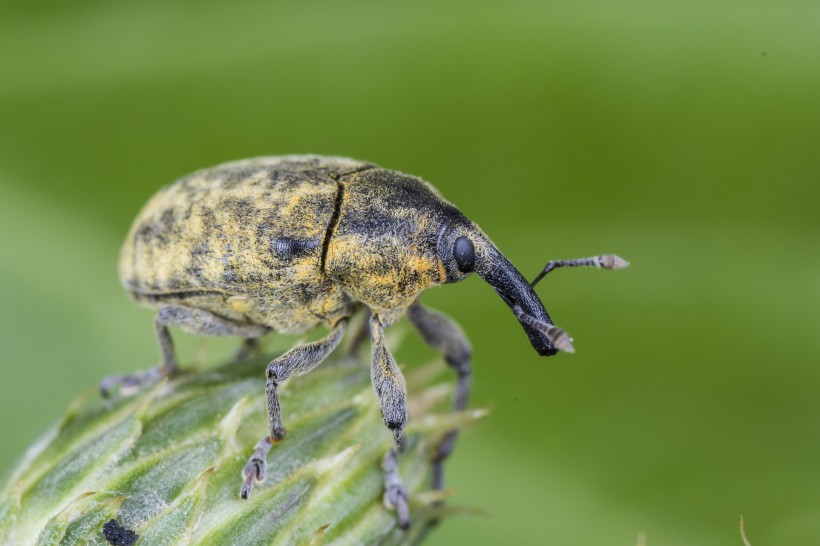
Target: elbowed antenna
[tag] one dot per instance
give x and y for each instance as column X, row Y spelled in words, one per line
column 492, row 266
column 559, row 338
column 605, row 261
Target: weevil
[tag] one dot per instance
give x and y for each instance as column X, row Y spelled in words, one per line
column 289, row 243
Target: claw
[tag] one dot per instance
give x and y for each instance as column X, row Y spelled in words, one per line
column 396, row 499
column 108, row 384
column 247, row 485
column 254, row 471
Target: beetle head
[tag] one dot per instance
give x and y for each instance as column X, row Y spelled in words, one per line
column 463, row 248
column 396, row 236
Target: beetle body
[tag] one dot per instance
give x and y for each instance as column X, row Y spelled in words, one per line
column 244, row 240
column 289, row 243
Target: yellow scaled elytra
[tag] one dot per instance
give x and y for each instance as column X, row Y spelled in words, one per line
column 288, row 243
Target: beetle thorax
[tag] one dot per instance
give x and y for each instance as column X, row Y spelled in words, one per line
column 385, row 273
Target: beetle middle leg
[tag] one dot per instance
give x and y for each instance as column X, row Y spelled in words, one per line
column 360, row 335
column 195, row 321
column 391, row 390
column 298, row 361
column 443, row 334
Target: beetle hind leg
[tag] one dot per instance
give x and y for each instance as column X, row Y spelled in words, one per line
column 298, row 361
column 195, row 321
column 443, row 334
column 250, row 348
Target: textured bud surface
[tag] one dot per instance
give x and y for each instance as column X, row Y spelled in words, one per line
column 166, row 463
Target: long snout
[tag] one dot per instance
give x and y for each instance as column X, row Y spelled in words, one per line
column 501, row 274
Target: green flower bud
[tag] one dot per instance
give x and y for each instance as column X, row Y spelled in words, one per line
column 166, row 464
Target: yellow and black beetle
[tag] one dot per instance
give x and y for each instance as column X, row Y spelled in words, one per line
column 288, row 243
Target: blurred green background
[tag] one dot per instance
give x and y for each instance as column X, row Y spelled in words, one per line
column 683, row 135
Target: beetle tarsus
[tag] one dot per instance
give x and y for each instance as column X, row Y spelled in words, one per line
column 132, row 383
column 395, row 494
column 254, row 471
column 442, row 452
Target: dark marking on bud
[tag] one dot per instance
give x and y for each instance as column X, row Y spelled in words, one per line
column 118, row 535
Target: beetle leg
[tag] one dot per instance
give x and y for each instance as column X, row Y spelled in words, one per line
column 168, row 364
column 195, row 321
column 360, row 335
column 606, row 261
column 250, row 348
column 443, row 334
column 298, row 361
column 395, row 494
column 388, row 382
column 391, row 390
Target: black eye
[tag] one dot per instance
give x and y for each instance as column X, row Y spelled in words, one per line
column 464, row 254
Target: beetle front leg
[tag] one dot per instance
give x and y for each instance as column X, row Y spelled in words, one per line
column 443, row 334
column 391, row 390
column 298, row 361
